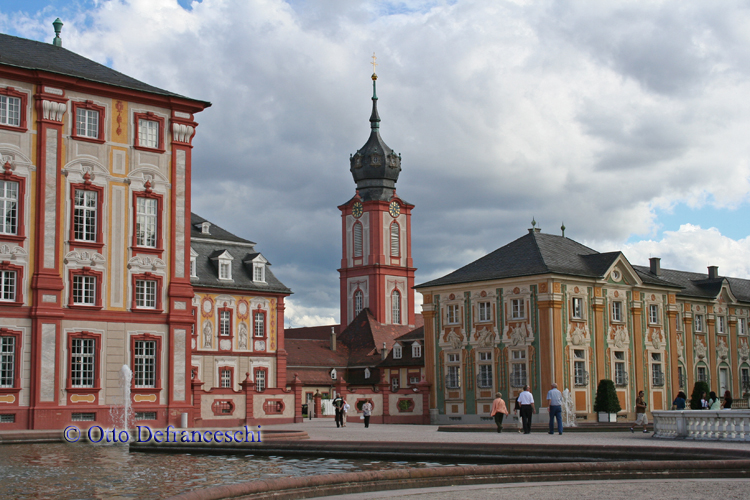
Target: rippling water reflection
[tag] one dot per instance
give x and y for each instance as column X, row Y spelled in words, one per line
column 80, row 471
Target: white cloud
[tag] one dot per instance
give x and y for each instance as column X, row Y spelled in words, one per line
column 592, row 113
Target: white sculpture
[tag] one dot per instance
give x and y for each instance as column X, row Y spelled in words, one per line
column 568, row 410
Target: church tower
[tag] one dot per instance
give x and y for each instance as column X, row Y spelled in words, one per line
column 376, row 265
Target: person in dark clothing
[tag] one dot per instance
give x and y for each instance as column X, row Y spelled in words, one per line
column 679, row 401
column 338, row 405
column 727, row 400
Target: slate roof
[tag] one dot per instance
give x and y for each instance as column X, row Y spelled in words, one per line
column 698, row 285
column 33, row 55
column 406, row 341
column 210, row 246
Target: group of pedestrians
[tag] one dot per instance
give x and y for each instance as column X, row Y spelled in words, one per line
column 342, row 408
column 525, row 408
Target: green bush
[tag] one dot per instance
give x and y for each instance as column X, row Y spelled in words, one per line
column 606, row 397
column 695, row 398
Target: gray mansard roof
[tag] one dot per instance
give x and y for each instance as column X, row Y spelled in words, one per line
column 40, row 56
column 210, row 246
column 539, row 253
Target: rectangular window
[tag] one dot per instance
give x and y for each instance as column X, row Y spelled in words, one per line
column 517, row 309
column 397, row 351
column 453, row 379
column 84, row 290
column 145, row 363
column 617, row 311
column 226, row 378
column 413, row 380
column 260, row 380
column 87, row 123
column 453, row 358
column 82, row 362
column 485, row 356
column 8, row 207
column 145, row 294
column 193, row 268
column 621, row 376
column 260, row 324
column 657, row 375
column 484, row 378
column 146, row 222
column 577, row 312
column 148, row 134
column 680, row 377
column 225, row 271
column 452, row 311
column 720, row 324
column 653, row 314
column 7, row 418
column 259, row 273
column 745, row 374
column 10, row 111
column 357, row 239
column 485, row 311
column 8, row 286
column 581, row 376
column 84, row 220
column 225, row 323
column 145, row 415
column 416, row 351
column 517, row 375
column 741, row 326
column 7, row 361
column 698, row 322
column 702, row 374
column 394, row 384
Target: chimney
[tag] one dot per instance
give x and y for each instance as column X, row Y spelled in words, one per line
column 333, row 339
column 713, row 272
column 655, row 265
column 383, row 352
column 57, row 41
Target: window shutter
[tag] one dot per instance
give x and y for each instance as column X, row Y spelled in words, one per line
column 395, row 240
column 358, row 240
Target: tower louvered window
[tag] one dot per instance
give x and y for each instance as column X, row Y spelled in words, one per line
column 358, row 240
column 395, row 240
column 359, row 301
column 396, row 307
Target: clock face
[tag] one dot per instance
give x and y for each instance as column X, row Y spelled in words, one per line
column 394, row 209
column 357, row 210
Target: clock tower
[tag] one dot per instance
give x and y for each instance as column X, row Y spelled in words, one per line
column 376, row 265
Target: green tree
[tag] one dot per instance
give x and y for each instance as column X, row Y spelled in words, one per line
column 695, row 398
column 606, row 397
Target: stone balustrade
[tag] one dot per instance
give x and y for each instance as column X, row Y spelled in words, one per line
column 712, row 425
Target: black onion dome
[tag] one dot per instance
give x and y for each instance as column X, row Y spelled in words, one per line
column 375, row 167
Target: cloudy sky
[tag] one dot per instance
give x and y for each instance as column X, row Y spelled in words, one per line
column 629, row 121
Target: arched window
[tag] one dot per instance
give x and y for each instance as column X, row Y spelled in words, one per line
column 396, row 307
column 359, row 302
column 395, row 240
column 357, row 239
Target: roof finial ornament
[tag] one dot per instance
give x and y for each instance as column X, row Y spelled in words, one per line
column 57, row 41
column 562, row 228
column 374, row 75
column 533, row 222
column 374, row 118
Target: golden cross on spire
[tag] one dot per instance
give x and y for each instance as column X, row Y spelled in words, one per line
column 373, row 63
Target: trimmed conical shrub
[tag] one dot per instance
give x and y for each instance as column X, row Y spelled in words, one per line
column 606, row 397
column 695, row 398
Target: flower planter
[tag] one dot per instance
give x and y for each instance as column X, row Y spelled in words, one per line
column 607, row 417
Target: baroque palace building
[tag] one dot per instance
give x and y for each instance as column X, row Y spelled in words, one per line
column 546, row 309
column 96, row 265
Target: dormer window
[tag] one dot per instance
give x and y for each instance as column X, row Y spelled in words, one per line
column 416, row 350
column 259, row 273
column 367, row 373
column 397, row 351
column 205, row 227
column 223, row 263
column 333, row 374
column 193, row 263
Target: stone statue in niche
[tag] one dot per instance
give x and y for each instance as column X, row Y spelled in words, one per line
column 722, row 350
column 486, row 338
column 242, row 337
column 700, row 349
column 621, row 337
column 518, row 335
column 208, row 335
column 578, row 335
column 744, row 351
column 680, row 348
column 454, row 340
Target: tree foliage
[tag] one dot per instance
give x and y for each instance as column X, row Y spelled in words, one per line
column 606, row 397
column 695, row 398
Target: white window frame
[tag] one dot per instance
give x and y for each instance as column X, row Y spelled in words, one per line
column 146, row 222
column 9, row 191
column 453, row 377
column 145, row 293
column 620, row 369
column 8, row 286
column 193, row 267
column 484, row 310
column 359, row 301
column 260, row 380
column 416, row 350
column 259, row 272
column 720, row 324
column 225, row 269
column 617, row 311
column 741, row 326
column 144, row 357
column 84, row 290
column 148, row 133
column 225, row 323
column 225, row 378
column 657, row 371
column 259, row 325
column 701, row 374
column 86, row 207
column 397, row 351
column 576, row 308
column 10, row 111
column 82, row 362
column 87, row 123
column 484, row 376
column 8, row 349
column 396, row 307
column 452, row 316
column 653, row 314
column 518, row 309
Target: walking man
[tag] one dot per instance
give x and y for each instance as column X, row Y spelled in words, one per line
column 338, row 405
column 640, row 412
column 366, row 412
column 554, row 407
column 344, row 413
column 499, row 411
column 526, row 400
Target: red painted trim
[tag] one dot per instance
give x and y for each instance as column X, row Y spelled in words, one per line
column 157, row 367
column 223, row 407
column 97, row 338
column 6, row 332
column 160, row 147
column 87, row 186
column 219, row 335
column 148, row 277
column 20, row 207
column 274, row 406
column 23, row 125
column 85, row 271
column 7, row 266
column 265, row 325
column 354, row 253
column 75, row 106
column 159, row 250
